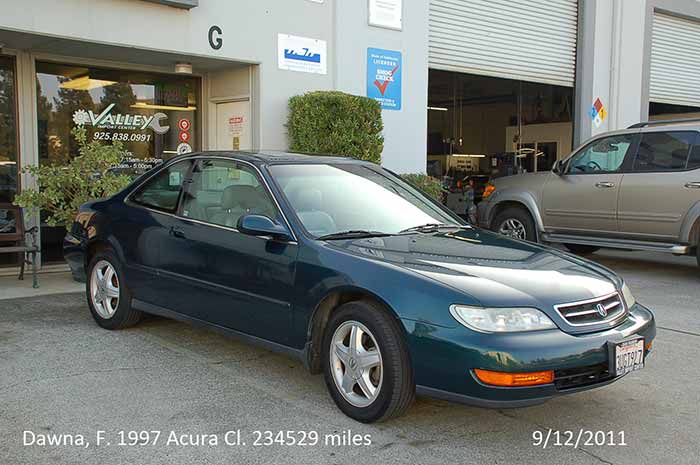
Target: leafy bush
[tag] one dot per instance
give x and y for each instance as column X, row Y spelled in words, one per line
column 335, row 123
column 428, row 184
column 63, row 188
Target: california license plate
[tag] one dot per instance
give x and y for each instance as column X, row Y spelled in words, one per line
column 628, row 356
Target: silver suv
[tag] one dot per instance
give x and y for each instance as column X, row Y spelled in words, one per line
column 636, row 189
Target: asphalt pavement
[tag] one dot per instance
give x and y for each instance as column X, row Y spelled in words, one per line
column 60, row 374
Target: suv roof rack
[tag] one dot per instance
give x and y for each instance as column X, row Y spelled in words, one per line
column 644, row 124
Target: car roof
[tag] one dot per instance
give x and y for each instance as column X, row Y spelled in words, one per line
column 271, row 157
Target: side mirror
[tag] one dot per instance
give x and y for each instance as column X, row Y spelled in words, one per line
column 259, row 225
column 559, row 167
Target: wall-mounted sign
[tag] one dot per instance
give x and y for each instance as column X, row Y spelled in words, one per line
column 386, row 13
column 183, row 148
column 184, row 124
column 301, row 54
column 598, row 113
column 384, row 77
column 106, row 120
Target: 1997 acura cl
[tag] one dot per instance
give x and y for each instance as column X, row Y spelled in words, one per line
column 344, row 265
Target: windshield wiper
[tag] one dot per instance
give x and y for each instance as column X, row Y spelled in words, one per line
column 428, row 227
column 352, row 234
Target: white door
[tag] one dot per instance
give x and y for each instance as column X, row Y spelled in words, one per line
column 233, row 130
column 533, row 40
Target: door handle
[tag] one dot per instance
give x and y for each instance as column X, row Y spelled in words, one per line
column 605, row 185
column 177, row 232
column 692, row 185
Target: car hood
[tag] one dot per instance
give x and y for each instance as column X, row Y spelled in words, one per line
column 490, row 268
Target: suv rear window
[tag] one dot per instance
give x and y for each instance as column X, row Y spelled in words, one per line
column 664, row 151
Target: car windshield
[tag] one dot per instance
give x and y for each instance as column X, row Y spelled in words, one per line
column 337, row 199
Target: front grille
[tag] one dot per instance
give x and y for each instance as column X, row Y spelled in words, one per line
column 593, row 311
column 580, row 377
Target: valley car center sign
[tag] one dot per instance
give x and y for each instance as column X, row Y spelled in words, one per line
column 384, row 77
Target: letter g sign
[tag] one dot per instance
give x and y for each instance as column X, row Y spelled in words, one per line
column 215, row 40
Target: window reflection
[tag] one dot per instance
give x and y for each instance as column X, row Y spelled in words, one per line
column 155, row 117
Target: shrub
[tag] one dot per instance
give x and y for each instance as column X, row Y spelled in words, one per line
column 335, row 123
column 428, row 184
column 63, row 188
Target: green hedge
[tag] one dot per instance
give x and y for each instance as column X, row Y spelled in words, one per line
column 335, row 123
column 428, row 184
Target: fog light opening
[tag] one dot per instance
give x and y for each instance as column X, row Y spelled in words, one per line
column 497, row 378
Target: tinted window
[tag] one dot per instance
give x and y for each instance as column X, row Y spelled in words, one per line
column 602, row 156
column 663, row 151
column 222, row 191
column 163, row 190
column 694, row 159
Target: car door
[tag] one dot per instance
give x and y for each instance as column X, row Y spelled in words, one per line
column 583, row 198
column 144, row 229
column 238, row 281
column 661, row 185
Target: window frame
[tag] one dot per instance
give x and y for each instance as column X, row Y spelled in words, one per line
column 187, row 184
column 630, row 156
column 188, row 178
column 144, row 184
column 631, row 166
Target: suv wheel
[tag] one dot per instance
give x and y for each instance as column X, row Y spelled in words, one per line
column 515, row 222
column 108, row 296
column 366, row 363
column 581, row 249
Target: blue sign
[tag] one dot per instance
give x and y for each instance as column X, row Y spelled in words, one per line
column 384, row 77
column 303, row 55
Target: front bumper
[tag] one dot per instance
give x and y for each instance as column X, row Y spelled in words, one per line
column 74, row 254
column 444, row 358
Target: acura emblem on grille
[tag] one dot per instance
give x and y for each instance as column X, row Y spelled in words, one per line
column 601, row 310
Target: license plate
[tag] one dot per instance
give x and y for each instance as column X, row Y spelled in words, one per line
column 628, row 356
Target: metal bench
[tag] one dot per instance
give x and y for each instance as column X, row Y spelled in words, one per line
column 13, row 238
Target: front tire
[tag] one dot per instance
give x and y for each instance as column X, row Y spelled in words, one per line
column 516, row 223
column 366, row 364
column 108, row 296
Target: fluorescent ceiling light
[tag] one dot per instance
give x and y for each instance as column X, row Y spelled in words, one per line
column 85, row 83
column 437, row 108
column 468, row 155
column 149, row 106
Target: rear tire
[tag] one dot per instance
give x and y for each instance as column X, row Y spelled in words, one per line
column 371, row 380
column 516, row 223
column 108, row 296
column 581, row 249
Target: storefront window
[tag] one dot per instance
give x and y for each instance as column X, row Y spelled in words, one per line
column 155, row 116
column 8, row 151
column 8, row 131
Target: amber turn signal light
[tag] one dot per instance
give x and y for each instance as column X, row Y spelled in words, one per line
column 497, row 378
column 647, row 346
column 488, row 190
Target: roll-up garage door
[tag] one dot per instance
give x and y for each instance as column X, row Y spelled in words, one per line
column 675, row 61
column 530, row 40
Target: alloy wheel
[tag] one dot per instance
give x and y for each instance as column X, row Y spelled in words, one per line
column 513, row 228
column 104, row 289
column 356, row 363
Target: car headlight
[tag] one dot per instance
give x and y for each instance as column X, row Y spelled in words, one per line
column 501, row 320
column 627, row 296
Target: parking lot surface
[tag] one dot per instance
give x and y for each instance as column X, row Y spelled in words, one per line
column 61, row 374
